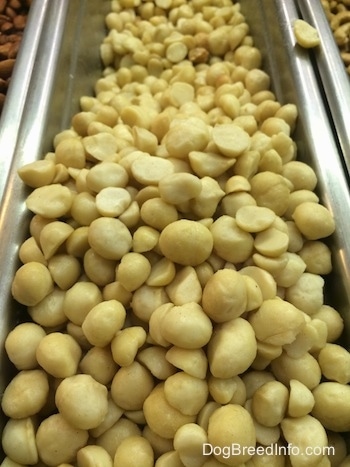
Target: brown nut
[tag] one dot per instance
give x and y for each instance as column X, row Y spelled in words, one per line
column 6, row 68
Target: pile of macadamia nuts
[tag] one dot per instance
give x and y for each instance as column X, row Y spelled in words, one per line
column 338, row 15
column 175, row 267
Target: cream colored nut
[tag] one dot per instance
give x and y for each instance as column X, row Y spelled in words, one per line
column 26, row 394
column 91, row 455
column 184, row 136
column 204, row 272
column 271, row 242
column 149, row 170
column 289, row 113
column 333, row 320
column 106, row 174
column 103, row 321
column 291, row 272
column 21, row 344
column 230, row 139
column 332, row 406
column 317, row 257
column 209, row 164
column 178, row 323
column 38, row 173
column 49, row 311
column 254, row 218
column 180, row 93
column 120, row 429
column 162, row 273
column 77, row 244
column 304, row 369
column 115, row 291
column 81, row 121
column 58, row 441
column 263, row 278
column 114, row 415
column 270, row 161
column 265, row 436
column 256, row 80
column 254, row 293
column 179, row 389
column 31, row 284
column 154, row 359
column 136, row 115
column 234, row 418
column 207, row 202
column 309, row 435
column 189, row 441
column 133, row 270
column 269, row 264
column 99, row 270
column 71, row 153
column 131, row 385
column 30, row 251
column 126, row 343
column 305, row 34
column 74, row 394
column 269, row 403
column 18, row 441
column 80, row 299
column 109, row 237
column 297, row 197
column 98, row 363
column 65, row 270
column 158, row 214
column 185, row 287
column 145, row 238
column 310, row 339
column 301, row 400
column 179, row 187
column 313, row 220
column 51, row 201
column 58, row 354
column 334, row 361
column 247, row 164
column 186, row 242
column 161, row 417
column 229, row 340
column 222, row 390
column 134, row 451
column 300, row 174
column 146, row 299
column 145, row 140
column 75, row 331
column 296, row 241
column 192, row 361
column 237, row 183
column 112, row 201
column 307, row 293
column 231, row 243
column 100, row 146
column 170, row 458
column 225, row 296
column 274, row 125
column 52, row 236
column 230, row 105
column 155, row 323
column 271, row 190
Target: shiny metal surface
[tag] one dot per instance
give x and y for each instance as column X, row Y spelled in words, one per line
column 334, row 78
column 67, row 66
column 16, row 97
